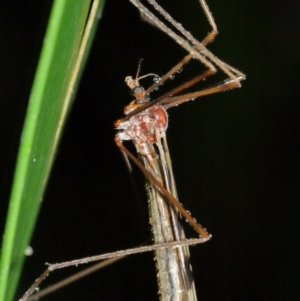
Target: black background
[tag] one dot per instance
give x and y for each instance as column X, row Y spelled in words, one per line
column 235, row 155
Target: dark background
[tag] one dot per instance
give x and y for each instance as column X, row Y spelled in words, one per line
column 235, row 155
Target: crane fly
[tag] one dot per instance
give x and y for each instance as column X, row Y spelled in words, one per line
column 147, row 129
column 145, row 124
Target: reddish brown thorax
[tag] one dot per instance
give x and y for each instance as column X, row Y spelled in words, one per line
column 145, row 127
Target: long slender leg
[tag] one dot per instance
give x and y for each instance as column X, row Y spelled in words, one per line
column 169, row 196
column 209, row 38
column 177, row 100
column 204, row 52
column 52, row 288
column 182, row 42
column 184, row 243
column 199, row 46
column 167, row 95
column 168, row 101
column 57, row 266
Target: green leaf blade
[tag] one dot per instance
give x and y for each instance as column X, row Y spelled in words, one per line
column 50, row 101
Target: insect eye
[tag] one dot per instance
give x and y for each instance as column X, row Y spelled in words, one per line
column 137, row 90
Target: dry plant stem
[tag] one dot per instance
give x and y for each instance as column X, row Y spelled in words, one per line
column 57, row 266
